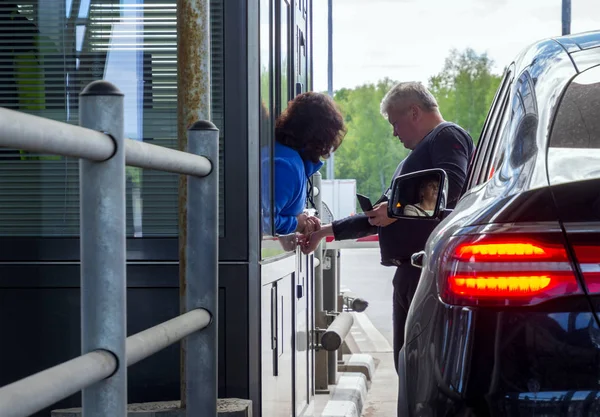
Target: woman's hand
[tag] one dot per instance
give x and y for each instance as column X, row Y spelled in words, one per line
column 313, row 224
column 307, row 224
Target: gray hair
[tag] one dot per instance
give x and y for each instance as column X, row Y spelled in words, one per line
column 407, row 94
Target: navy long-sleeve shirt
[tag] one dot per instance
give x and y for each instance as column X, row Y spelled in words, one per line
column 447, row 147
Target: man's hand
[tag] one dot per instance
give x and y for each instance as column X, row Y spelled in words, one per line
column 379, row 216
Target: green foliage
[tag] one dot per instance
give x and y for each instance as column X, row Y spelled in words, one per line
column 465, row 89
column 370, row 153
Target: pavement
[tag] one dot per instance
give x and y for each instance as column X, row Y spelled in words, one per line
column 383, row 390
column 369, row 340
column 381, row 399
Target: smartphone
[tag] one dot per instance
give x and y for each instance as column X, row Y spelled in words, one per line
column 365, row 203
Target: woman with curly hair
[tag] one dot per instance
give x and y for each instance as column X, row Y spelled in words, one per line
column 310, row 128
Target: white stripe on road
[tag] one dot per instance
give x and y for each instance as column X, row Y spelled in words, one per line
column 379, row 342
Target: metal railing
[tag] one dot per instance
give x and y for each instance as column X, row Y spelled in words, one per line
column 101, row 371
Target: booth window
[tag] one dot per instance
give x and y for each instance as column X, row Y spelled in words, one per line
column 49, row 51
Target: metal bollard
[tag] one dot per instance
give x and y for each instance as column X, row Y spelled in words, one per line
column 201, row 273
column 103, row 249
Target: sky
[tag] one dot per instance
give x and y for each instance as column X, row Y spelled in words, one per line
column 408, row 40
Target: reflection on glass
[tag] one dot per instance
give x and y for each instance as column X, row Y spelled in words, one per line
column 574, row 152
column 417, row 195
column 285, row 92
column 266, row 124
column 124, row 68
column 427, row 199
column 131, row 43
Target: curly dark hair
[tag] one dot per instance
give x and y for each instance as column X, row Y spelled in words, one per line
column 312, row 125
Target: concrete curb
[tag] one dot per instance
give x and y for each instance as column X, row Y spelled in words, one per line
column 348, row 397
column 226, row 407
column 359, row 362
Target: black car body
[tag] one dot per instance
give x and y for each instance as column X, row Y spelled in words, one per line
column 505, row 318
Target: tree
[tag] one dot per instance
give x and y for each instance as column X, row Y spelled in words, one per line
column 465, row 89
column 369, row 153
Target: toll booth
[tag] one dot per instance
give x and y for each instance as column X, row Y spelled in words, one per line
column 260, row 58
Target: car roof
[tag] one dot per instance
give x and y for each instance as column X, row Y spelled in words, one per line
column 580, row 41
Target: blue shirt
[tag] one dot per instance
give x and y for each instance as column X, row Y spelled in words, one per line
column 291, row 173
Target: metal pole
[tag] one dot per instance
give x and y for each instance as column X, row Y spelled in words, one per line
column 340, row 301
column 146, row 343
column 338, row 330
column 36, row 392
column 330, row 301
column 193, row 104
column 103, row 250
column 566, row 17
column 39, row 135
column 331, row 160
column 201, row 274
column 321, row 377
column 319, row 255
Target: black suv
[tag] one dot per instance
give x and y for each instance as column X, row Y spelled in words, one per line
column 505, row 318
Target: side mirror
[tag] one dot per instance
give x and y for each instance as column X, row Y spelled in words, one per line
column 419, row 194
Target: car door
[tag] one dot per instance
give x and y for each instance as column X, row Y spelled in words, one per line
column 573, row 162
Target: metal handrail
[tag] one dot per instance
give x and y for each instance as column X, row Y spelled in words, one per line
column 37, row 134
column 146, row 155
column 148, row 342
column 38, row 391
column 101, row 371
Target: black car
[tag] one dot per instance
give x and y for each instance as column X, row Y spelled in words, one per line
column 505, row 318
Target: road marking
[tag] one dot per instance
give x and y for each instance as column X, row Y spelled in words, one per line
column 374, row 336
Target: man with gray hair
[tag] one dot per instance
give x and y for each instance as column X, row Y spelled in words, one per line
column 434, row 143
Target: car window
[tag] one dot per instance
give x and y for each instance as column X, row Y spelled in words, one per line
column 518, row 144
column 487, row 140
column 574, row 147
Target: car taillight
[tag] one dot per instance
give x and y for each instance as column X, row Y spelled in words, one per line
column 508, row 269
column 588, row 257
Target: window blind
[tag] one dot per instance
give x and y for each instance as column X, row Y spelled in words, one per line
column 49, row 51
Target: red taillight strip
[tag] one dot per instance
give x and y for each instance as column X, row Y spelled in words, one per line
column 509, row 251
column 507, row 269
column 502, row 285
column 587, row 254
column 470, row 267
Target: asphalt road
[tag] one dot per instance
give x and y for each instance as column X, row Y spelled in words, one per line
column 362, row 273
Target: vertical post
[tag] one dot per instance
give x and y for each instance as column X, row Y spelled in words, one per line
column 330, row 301
column 103, row 251
column 331, row 160
column 321, row 381
column 193, row 104
column 201, row 273
column 340, row 299
column 319, row 254
column 566, row 17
